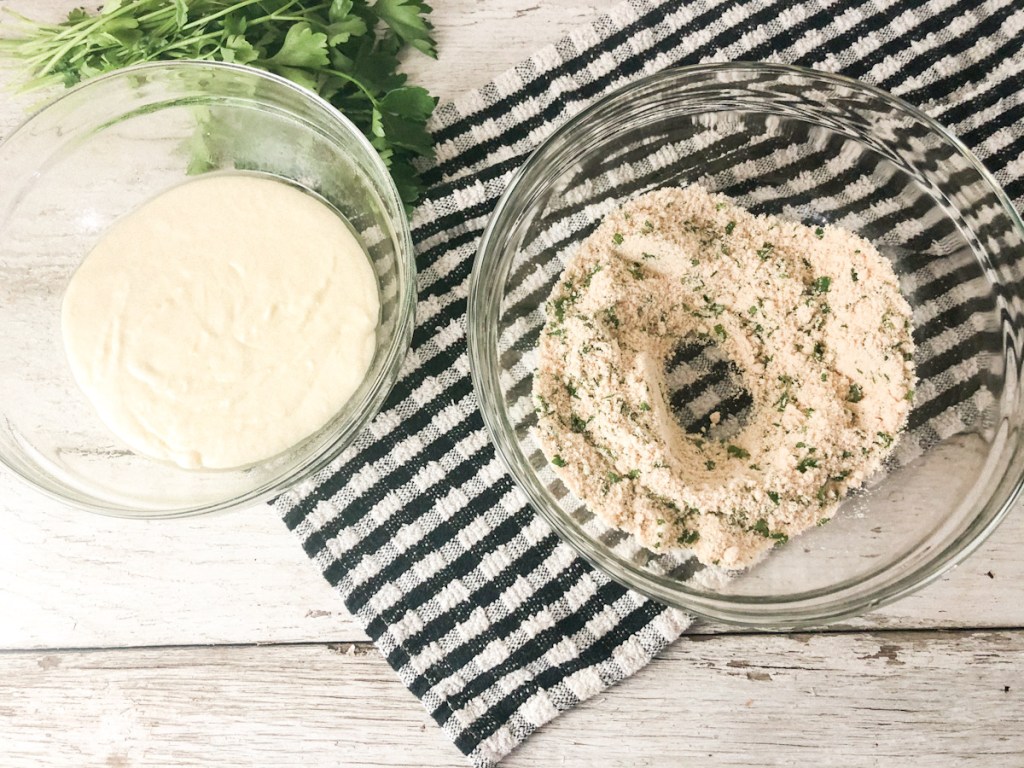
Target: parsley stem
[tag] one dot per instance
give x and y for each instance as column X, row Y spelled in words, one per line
column 187, row 42
column 219, row 33
column 81, row 32
column 313, row 34
column 356, row 83
column 205, row 19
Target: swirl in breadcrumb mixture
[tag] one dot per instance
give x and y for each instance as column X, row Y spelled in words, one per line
column 812, row 318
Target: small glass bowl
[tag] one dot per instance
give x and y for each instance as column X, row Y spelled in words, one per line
column 815, row 148
column 100, row 151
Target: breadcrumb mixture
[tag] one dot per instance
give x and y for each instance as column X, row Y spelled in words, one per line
column 813, row 320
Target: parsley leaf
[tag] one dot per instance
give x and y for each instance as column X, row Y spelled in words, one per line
column 302, row 47
column 347, row 51
column 686, row 538
column 578, row 425
column 413, row 102
column 761, row 527
column 806, row 463
column 407, row 19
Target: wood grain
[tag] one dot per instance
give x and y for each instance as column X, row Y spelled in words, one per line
column 851, row 700
column 69, row 579
column 210, row 589
column 72, row 580
column 476, row 39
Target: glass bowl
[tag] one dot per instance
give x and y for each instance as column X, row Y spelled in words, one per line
column 815, row 148
column 100, row 151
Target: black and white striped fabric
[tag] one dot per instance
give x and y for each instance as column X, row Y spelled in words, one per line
column 485, row 615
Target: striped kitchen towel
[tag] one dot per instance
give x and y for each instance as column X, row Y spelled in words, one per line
column 485, row 615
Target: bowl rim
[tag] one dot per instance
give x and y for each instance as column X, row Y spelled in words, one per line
column 753, row 612
column 319, row 456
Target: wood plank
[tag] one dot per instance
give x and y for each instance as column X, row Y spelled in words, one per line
column 72, row 579
column 68, row 579
column 858, row 699
column 476, row 39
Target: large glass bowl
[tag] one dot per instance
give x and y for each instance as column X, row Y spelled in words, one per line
column 817, row 148
column 100, row 151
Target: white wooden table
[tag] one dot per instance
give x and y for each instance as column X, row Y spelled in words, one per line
column 213, row 641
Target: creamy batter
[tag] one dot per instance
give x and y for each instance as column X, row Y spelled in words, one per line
column 222, row 322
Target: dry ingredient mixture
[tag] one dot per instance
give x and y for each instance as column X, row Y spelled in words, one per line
column 811, row 317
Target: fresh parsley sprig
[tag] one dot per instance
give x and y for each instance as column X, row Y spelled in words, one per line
column 345, row 50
